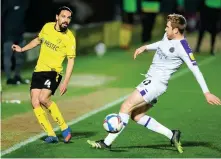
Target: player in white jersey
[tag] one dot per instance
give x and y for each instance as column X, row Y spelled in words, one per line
column 170, row 54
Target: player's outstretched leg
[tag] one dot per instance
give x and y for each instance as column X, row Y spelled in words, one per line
column 106, row 143
column 175, row 140
column 133, row 101
column 139, row 116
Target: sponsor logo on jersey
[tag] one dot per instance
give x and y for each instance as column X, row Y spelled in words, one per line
column 191, row 56
column 161, row 54
column 172, row 49
column 51, row 45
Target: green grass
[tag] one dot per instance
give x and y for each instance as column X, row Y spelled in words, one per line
column 182, row 107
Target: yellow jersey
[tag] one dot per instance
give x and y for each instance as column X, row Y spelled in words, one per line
column 55, row 46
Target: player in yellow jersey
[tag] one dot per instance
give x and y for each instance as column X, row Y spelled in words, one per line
column 57, row 42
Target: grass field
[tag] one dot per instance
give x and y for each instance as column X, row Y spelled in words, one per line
column 182, row 107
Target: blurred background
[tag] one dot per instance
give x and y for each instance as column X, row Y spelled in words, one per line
column 102, row 24
column 107, row 34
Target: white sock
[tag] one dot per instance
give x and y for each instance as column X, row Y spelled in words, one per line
column 111, row 137
column 153, row 125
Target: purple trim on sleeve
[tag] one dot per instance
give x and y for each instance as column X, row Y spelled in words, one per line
column 194, row 63
column 186, row 46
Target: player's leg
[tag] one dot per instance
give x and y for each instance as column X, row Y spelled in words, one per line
column 213, row 39
column 202, row 29
column 126, row 30
column 19, row 62
column 42, row 116
column 7, row 61
column 45, row 99
column 140, row 117
column 134, row 101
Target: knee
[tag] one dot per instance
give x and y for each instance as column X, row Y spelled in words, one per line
column 44, row 100
column 126, row 107
column 35, row 103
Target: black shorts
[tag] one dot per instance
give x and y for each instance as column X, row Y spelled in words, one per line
column 47, row 80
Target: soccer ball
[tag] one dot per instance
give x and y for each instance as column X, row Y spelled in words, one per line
column 100, row 49
column 113, row 123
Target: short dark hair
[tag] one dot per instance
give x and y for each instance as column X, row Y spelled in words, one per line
column 63, row 8
column 177, row 21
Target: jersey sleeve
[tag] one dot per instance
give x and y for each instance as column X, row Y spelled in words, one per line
column 42, row 32
column 71, row 48
column 153, row 46
column 186, row 55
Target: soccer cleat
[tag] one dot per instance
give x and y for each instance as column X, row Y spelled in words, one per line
column 98, row 144
column 175, row 141
column 67, row 135
column 51, row 139
column 11, row 81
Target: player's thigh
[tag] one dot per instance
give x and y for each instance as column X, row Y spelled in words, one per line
column 35, row 93
column 133, row 101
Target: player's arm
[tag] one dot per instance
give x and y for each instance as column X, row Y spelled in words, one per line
column 190, row 61
column 71, row 53
column 69, row 69
column 149, row 47
column 35, row 42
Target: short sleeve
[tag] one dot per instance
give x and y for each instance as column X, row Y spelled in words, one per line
column 42, row 32
column 71, row 48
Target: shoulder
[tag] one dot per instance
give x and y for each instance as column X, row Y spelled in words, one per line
column 185, row 46
column 70, row 35
column 49, row 25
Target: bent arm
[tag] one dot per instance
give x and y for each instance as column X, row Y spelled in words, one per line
column 35, row 42
column 153, row 46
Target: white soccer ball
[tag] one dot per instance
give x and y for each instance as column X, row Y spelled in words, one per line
column 113, row 123
column 100, row 49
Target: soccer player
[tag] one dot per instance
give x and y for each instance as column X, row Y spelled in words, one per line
column 57, row 42
column 170, row 54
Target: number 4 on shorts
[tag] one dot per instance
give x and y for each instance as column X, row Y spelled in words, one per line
column 47, row 83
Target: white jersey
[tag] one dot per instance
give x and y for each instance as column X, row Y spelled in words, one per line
column 169, row 56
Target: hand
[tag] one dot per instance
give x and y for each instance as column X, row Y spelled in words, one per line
column 139, row 51
column 16, row 48
column 212, row 99
column 63, row 88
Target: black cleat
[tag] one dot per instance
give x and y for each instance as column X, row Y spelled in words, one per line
column 175, row 141
column 98, row 144
column 11, row 81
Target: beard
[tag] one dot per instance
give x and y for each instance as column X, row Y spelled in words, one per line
column 63, row 28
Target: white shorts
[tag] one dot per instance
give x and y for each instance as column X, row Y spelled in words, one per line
column 151, row 89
